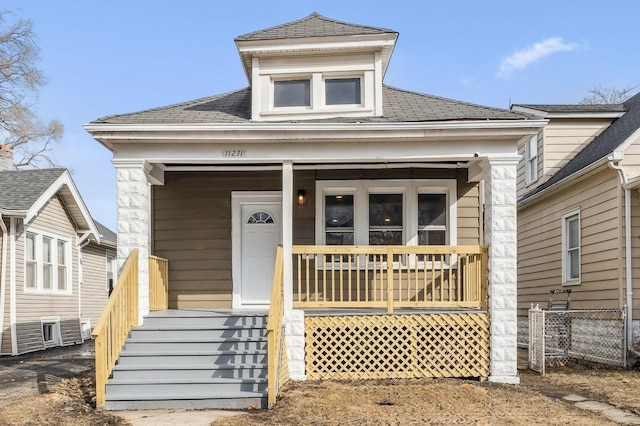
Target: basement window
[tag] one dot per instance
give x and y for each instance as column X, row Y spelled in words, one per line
column 51, row 331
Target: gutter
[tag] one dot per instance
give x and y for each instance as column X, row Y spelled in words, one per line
column 613, row 161
column 3, row 275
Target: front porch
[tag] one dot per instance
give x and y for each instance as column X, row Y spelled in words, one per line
column 358, row 313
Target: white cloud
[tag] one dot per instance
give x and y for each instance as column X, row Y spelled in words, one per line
column 523, row 58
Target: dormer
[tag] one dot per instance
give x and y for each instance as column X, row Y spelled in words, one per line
column 316, row 68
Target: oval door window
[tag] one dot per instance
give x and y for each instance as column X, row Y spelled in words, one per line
column 260, row 217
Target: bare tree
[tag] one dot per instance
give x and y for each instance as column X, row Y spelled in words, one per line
column 30, row 138
column 607, row 95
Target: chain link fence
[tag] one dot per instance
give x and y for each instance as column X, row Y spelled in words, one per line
column 558, row 337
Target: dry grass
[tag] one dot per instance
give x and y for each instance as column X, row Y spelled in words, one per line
column 415, row 402
column 537, row 400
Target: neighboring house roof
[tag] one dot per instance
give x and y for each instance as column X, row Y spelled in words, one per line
column 235, row 107
column 23, row 193
column 603, row 145
column 578, row 108
column 107, row 236
column 314, row 25
column 20, row 189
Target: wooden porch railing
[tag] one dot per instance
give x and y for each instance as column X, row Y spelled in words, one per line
column 275, row 345
column 158, row 283
column 119, row 316
column 390, row 277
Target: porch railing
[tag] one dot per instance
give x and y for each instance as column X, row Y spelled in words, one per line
column 275, row 344
column 158, row 283
column 390, row 277
column 118, row 317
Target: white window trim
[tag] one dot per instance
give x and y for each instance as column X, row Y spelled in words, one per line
column 39, row 263
column 409, row 188
column 566, row 281
column 56, row 333
column 318, row 97
column 114, row 269
column 531, row 158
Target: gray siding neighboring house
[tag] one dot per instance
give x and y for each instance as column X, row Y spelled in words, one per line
column 53, row 261
column 587, row 176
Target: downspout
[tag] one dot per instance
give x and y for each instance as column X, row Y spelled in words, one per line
column 3, row 275
column 83, row 241
column 12, row 286
column 613, row 164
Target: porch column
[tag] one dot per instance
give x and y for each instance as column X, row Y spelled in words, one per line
column 134, row 222
column 293, row 318
column 501, row 237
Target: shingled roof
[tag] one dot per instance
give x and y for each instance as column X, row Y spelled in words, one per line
column 314, row 25
column 578, row 108
column 235, row 107
column 603, row 145
column 107, row 236
column 20, row 189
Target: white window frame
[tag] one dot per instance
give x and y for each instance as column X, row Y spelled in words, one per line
column 54, row 323
column 55, row 238
column 531, row 159
column 318, row 93
column 566, row 266
column 410, row 190
column 111, row 260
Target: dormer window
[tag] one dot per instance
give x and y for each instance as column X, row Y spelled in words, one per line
column 291, row 93
column 343, row 91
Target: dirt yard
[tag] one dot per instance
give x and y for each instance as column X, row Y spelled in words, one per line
column 537, row 400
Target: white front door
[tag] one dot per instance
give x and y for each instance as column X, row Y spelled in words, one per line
column 259, row 231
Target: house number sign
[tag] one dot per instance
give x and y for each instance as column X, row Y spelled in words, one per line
column 234, row 153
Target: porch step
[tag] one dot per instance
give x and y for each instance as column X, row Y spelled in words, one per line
column 192, row 359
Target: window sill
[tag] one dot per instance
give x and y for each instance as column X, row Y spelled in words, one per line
column 48, row 292
column 571, row 283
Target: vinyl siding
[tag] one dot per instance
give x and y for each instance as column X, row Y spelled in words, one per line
column 563, row 138
column 558, row 143
column 94, row 282
column 5, row 345
column 192, row 223
column 540, row 245
column 31, row 307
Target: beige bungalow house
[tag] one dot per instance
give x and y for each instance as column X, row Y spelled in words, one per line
column 578, row 208
column 394, row 211
column 55, row 260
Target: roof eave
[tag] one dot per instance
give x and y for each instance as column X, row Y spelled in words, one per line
column 384, row 43
column 80, row 214
column 554, row 188
column 572, row 114
column 107, row 134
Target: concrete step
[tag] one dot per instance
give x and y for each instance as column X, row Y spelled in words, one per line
column 240, row 401
column 192, row 371
column 191, row 357
column 164, row 345
column 173, row 332
column 202, row 318
column 161, row 388
column 201, row 332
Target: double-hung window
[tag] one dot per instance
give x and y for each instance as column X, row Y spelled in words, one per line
column 571, row 248
column 47, row 262
column 531, row 158
column 339, row 219
column 376, row 212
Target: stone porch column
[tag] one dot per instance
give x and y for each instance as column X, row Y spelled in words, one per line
column 501, row 236
column 134, row 222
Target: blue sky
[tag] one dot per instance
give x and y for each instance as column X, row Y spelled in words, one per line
column 111, row 57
